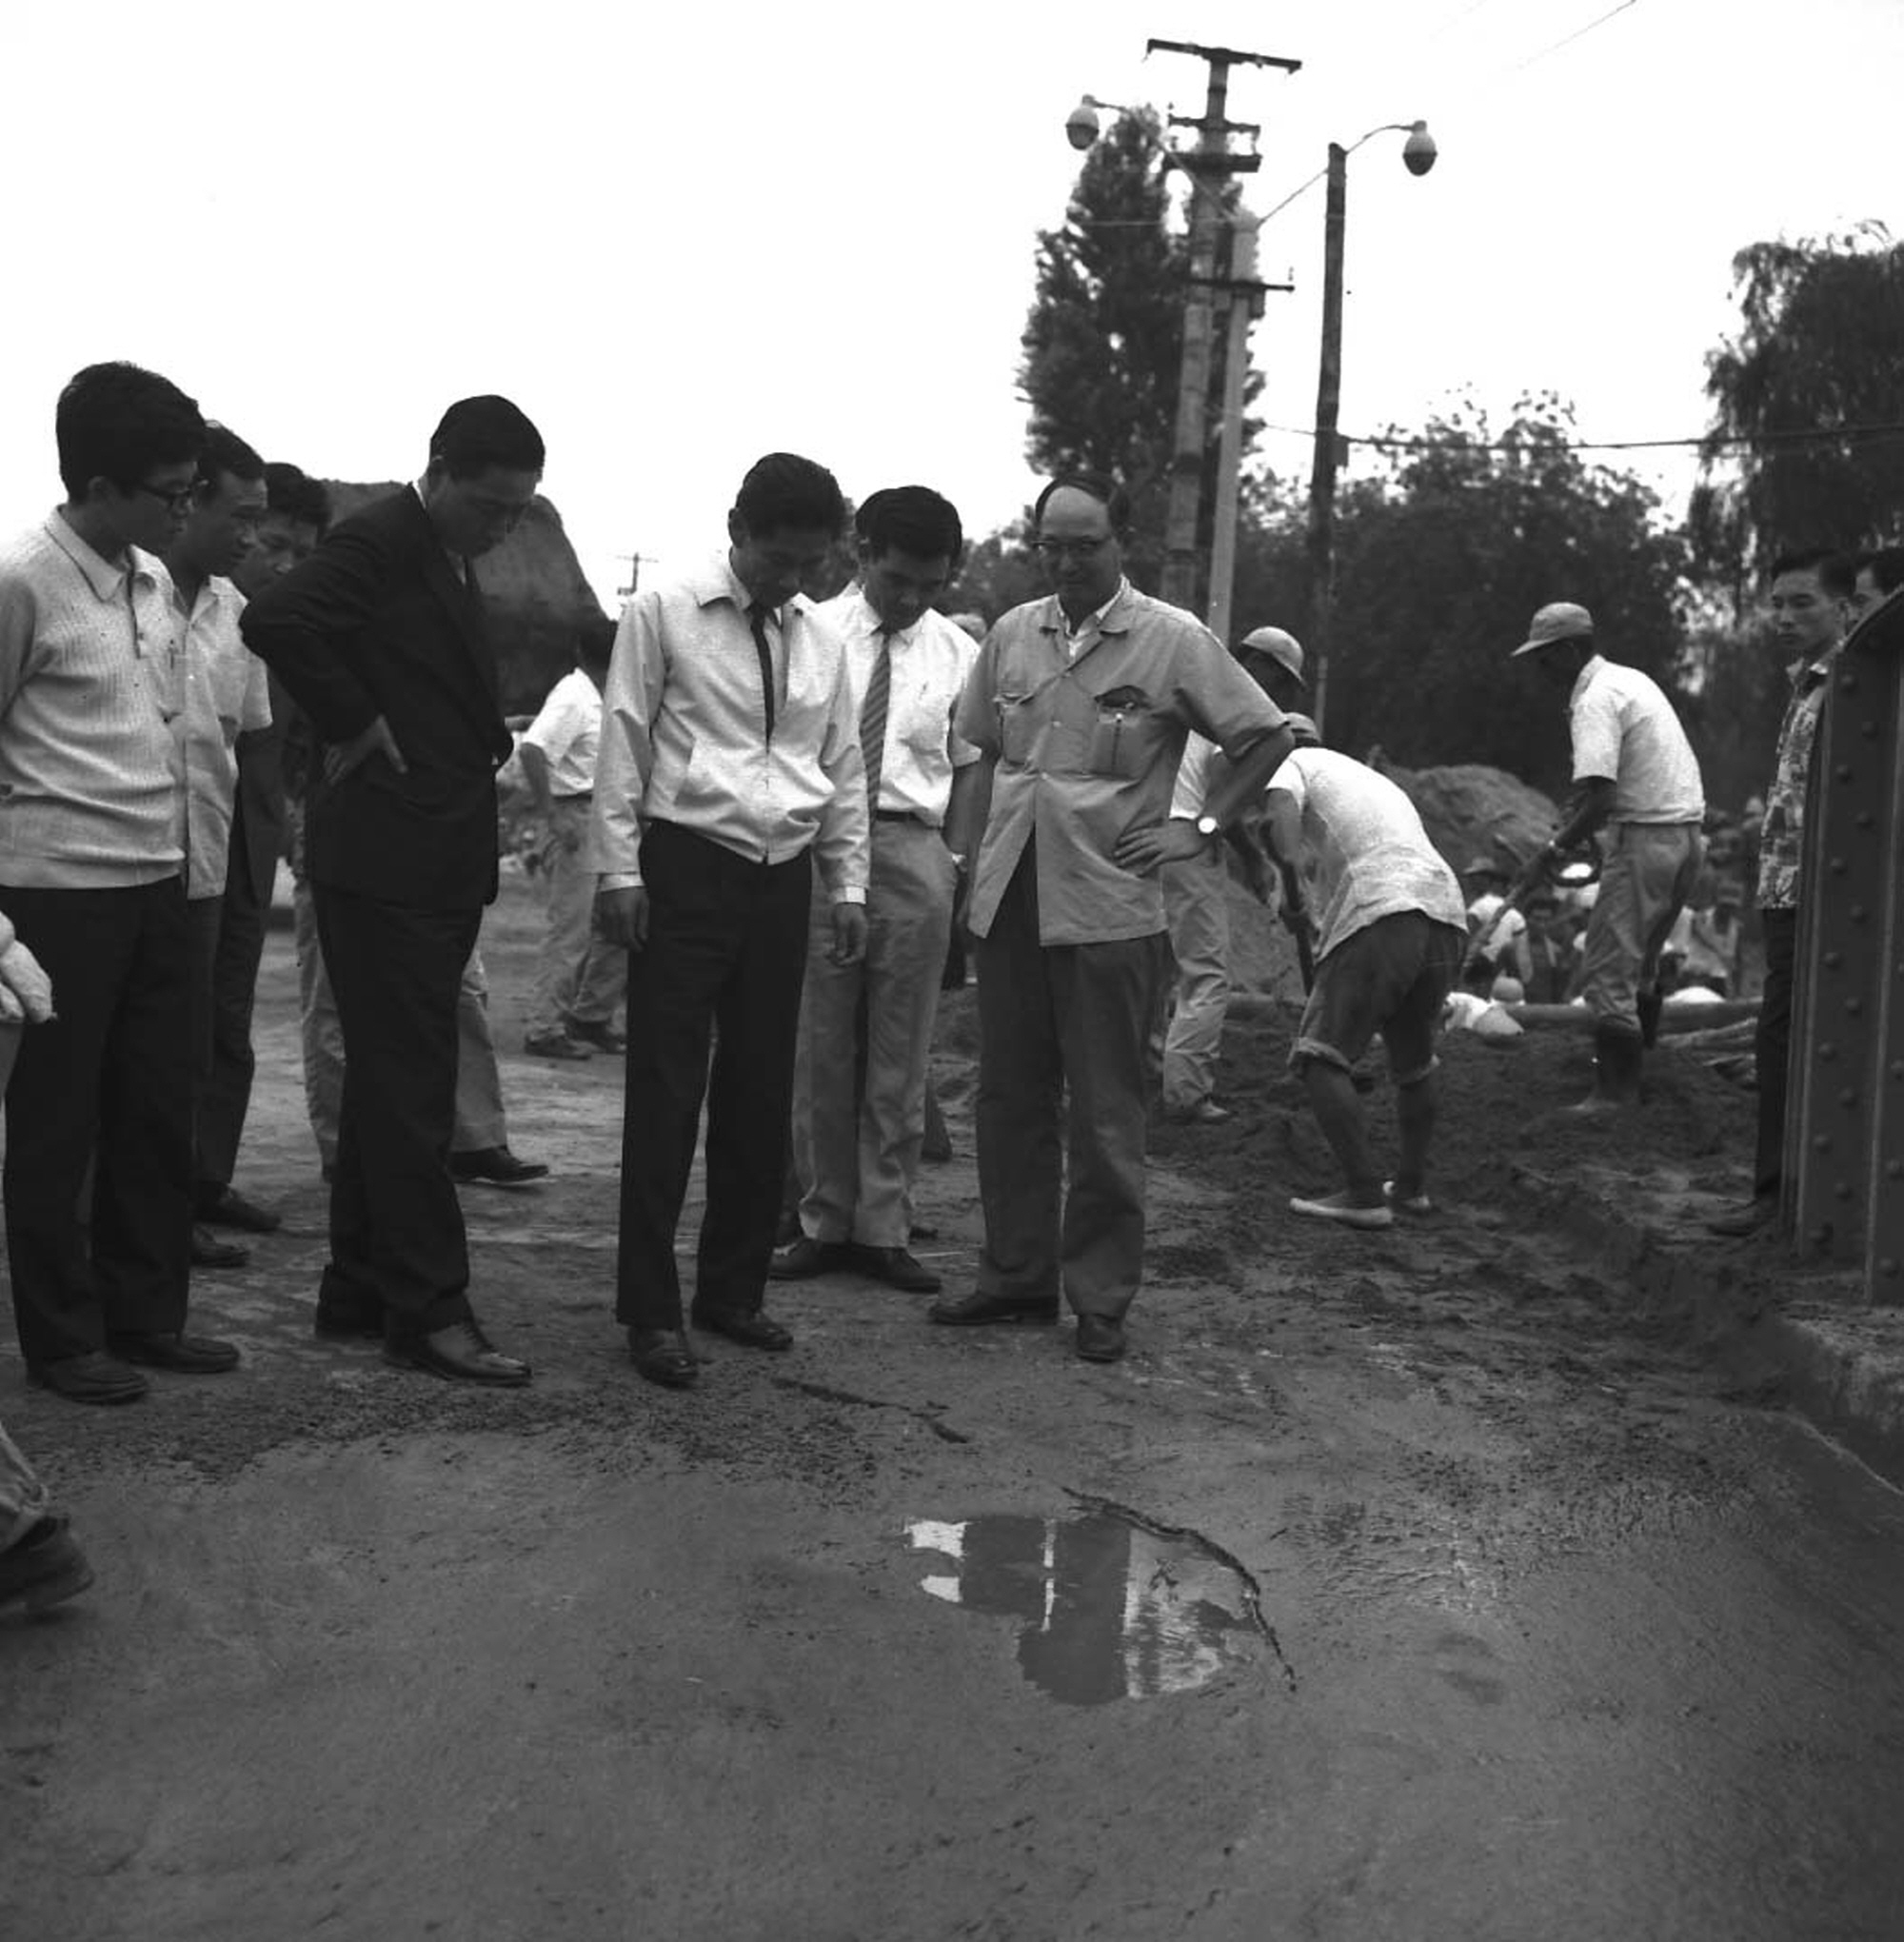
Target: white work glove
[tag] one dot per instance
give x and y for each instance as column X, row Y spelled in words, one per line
column 25, row 991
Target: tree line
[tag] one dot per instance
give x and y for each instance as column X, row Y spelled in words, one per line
column 1463, row 527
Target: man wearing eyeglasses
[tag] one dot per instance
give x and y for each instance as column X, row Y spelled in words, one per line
column 90, row 860
column 1079, row 705
column 380, row 638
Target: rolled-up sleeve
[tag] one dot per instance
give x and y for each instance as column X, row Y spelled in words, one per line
column 625, row 758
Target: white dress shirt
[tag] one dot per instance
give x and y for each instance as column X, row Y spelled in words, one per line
column 226, row 694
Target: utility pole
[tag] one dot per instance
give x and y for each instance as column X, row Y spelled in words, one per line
column 1209, row 165
column 1328, row 409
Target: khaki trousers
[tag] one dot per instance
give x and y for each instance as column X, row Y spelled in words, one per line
column 1196, row 903
column 578, row 978
column 1649, row 871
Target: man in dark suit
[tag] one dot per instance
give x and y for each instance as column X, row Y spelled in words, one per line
column 379, row 637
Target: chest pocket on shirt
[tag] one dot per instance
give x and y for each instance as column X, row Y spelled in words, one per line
column 1126, row 735
column 923, row 720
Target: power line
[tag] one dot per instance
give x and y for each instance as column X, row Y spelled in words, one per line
column 1808, row 435
column 1567, row 41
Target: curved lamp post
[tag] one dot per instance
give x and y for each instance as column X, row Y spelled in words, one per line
column 1417, row 157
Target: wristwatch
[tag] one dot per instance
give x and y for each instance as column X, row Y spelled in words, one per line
column 1208, row 826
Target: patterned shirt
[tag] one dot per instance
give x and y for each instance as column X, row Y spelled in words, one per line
column 1781, row 842
column 1086, row 732
column 92, row 660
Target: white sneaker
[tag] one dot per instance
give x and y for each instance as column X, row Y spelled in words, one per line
column 1340, row 1208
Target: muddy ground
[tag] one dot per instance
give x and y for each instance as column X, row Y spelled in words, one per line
column 1427, row 1584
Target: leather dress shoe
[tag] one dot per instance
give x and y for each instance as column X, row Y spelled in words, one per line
column 91, row 1378
column 806, row 1258
column 460, row 1352
column 495, row 1166
column 747, row 1326
column 896, row 1267
column 602, row 1035
column 226, row 1207
column 662, row 1355
column 555, row 1045
column 1100, row 1338
column 43, row 1568
column 208, row 1250
column 970, row 1311
column 184, row 1355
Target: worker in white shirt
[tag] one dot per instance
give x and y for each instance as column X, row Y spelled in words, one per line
column 579, row 979
column 1635, row 773
column 858, row 1123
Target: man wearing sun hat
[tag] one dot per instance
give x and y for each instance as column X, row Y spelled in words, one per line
column 1635, row 775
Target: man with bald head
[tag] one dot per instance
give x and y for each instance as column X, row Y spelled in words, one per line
column 1079, row 705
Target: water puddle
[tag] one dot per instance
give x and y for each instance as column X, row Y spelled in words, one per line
column 1109, row 1606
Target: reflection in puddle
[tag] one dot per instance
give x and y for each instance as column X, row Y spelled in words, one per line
column 1109, row 1609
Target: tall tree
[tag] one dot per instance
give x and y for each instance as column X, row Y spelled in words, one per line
column 1805, row 448
column 1104, row 340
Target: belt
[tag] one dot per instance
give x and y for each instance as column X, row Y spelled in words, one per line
column 901, row 816
column 576, row 796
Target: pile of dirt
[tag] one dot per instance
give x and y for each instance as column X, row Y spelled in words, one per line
column 1470, row 810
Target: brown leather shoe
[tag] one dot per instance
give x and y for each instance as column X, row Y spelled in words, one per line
column 747, row 1326
column 974, row 1310
column 806, row 1258
column 462, row 1353
column 184, row 1355
column 226, row 1207
column 208, row 1250
column 896, row 1266
column 662, row 1355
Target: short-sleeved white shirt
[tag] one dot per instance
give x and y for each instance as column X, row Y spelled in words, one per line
column 226, row 694
column 1625, row 731
column 567, row 729
column 1372, row 858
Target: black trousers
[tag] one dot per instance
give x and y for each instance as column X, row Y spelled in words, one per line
column 398, row 1250
column 107, row 1082
column 721, row 969
column 1772, row 1045
column 224, row 1090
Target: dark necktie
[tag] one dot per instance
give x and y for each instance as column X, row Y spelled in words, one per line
column 757, row 620
column 873, row 719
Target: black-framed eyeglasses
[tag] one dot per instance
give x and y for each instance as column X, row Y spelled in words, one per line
column 174, row 498
column 1070, row 549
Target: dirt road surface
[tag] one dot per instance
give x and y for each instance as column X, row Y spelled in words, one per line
column 1422, row 1585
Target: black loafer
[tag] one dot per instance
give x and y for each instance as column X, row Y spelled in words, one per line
column 495, row 1166
column 896, row 1267
column 603, row 1037
column 461, row 1353
column 184, row 1355
column 228, row 1207
column 1100, row 1338
column 973, row 1310
column 662, row 1355
column 92, row 1377
column 806, row 1258
column 208, row 1250
column 747, row 1326
column 43, row 1569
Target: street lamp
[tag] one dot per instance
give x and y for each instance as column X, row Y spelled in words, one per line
column 1417, row 157
column 1081, row 125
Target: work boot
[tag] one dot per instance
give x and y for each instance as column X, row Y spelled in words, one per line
column 1617, row 1056
column 1650, row 1004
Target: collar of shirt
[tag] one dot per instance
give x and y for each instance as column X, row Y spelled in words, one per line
column 716, row 581
column 866, row 617
column 106, row 580
column 214, row 592
column 1806, row 675
column 1100, row 621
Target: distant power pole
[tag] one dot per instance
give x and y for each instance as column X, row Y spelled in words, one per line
column 1209, row 165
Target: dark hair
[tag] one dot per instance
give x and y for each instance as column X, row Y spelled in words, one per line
column 117, row 422
column 911, row 519
column 476, row 433
column 294, row 495
column 1886, row 567
column 1108, row 492
column 1838, row 572
column 225, row 452
column 595, row 642
column 783, row 490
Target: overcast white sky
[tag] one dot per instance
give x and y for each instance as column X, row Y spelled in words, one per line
column 679, row 236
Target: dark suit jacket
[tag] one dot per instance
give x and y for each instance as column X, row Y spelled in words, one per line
column 376, row 622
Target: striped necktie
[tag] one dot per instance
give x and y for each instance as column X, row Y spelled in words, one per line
column 757, row 620
column 873, row 719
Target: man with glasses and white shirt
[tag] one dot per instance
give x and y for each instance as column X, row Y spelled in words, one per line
column 91, row 682
column 1079, row 705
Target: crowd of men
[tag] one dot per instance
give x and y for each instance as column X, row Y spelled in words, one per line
column 767, row 821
